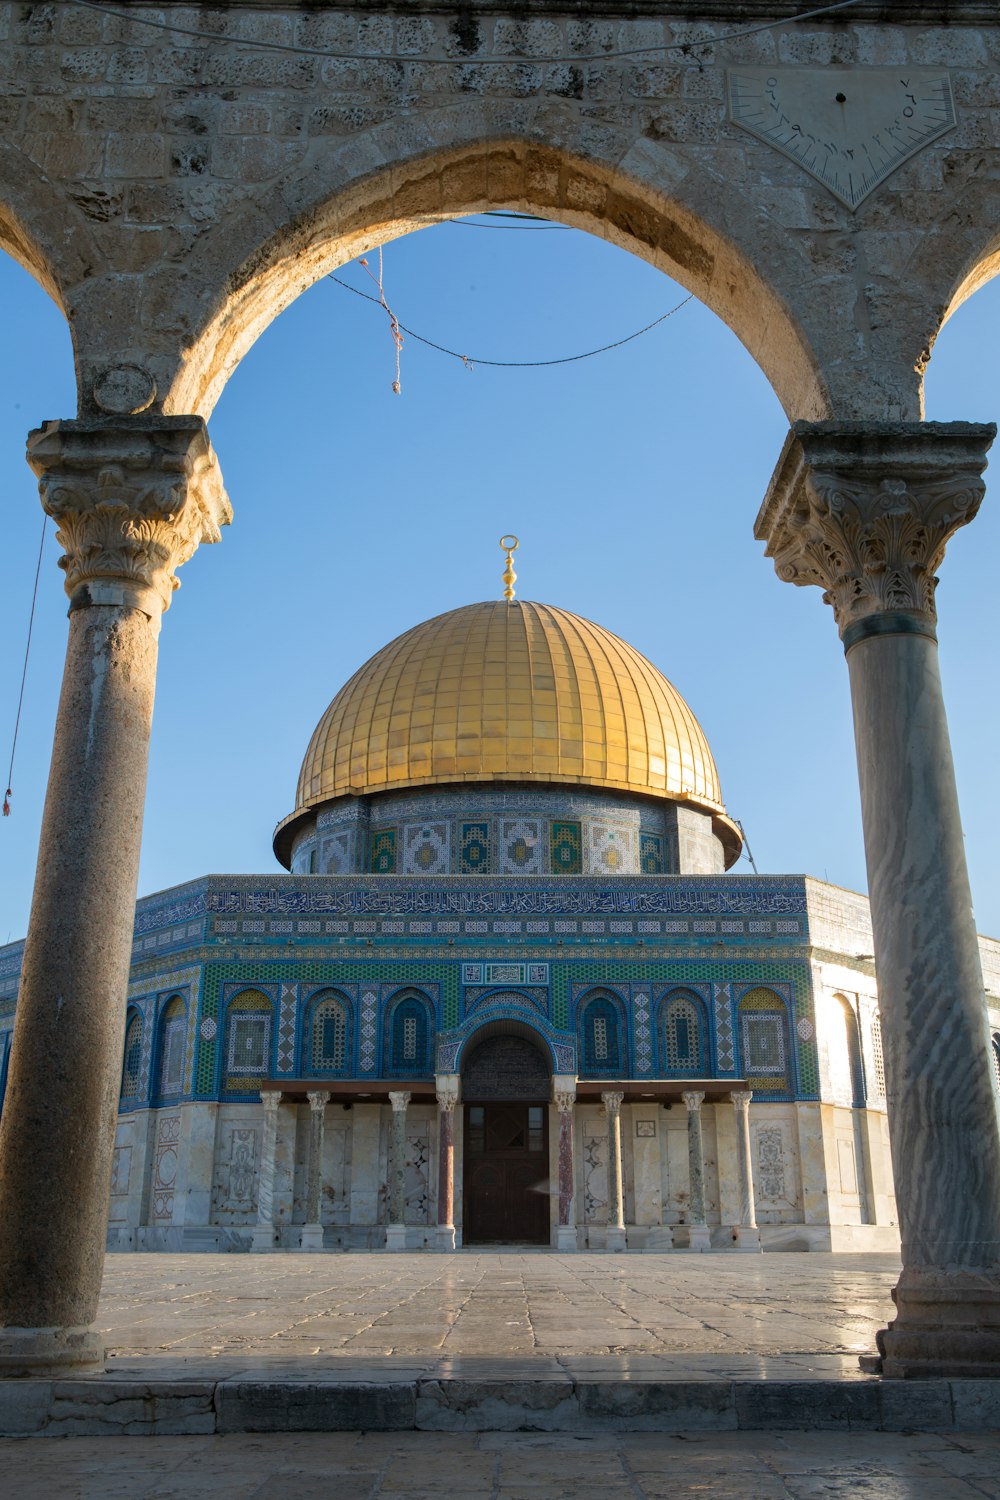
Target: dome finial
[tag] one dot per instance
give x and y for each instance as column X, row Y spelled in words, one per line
column 510, row 545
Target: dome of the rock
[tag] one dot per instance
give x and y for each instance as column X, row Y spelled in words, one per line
column 509, row 693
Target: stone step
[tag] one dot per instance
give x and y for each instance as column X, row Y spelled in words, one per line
column 129, row 1402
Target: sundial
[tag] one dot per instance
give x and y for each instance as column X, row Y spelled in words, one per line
column 849, row 127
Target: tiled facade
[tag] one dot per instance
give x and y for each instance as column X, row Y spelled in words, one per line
column 246, row 963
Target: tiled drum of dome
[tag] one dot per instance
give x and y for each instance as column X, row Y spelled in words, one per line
column 474, row 848
column 566, row 849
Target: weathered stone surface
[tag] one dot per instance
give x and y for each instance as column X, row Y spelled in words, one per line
column 302, row 1406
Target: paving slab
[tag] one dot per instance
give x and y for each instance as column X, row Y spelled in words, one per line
column 506, row 1466
column 477, row 1343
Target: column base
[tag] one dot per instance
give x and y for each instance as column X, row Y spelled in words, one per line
column 945, row 1326
column 446, row 1237
column 312, row 1237
column 699, row 1237
column 262, row 1240
column 395, row 1236
column 747, row 1237
column 566, row 1237
column 43, row 1351
column 616, row 1240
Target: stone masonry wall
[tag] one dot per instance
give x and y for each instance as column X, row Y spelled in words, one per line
column 175, row 192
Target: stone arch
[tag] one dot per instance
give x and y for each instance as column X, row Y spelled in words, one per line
column 44, row 230
column 253, row 265
column 847, row 1074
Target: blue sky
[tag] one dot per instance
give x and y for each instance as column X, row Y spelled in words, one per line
column 632, row 479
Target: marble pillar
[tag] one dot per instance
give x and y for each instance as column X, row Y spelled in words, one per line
column 132, row 498
column 865, row 511
column 616, row 1240
column 747, row 1235
column 447, row 1098
column 699, row 1238
column 565, row 1102
column 263, row 1234
column 395, row 1233
column 312, row 1229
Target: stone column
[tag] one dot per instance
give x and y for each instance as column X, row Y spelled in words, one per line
column 747, row 1233
column 565, row 1101
column 447, row 1098
column 699, row 1237
column 263, row 1235
column 312, row 1230
column 866, row 512
column 616, row 1208
column 132, row 498
column 395, row 1233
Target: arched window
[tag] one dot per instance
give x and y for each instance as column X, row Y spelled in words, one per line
column 878, row 1057
column 682, row 1034
column 409, row 1037
column 764, row 1040
column 995, row 1050
column 132, row 1060
column 173, row 1044
column 847, row 1074
column 601, row 1040
column 329, row 1035
column 248, row 1039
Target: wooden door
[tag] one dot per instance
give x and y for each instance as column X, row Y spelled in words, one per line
column 506, row 1174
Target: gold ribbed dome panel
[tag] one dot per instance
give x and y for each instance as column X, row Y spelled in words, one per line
column 508, row 692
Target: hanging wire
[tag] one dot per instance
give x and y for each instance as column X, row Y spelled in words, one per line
column 24, row 671
column 463, row 60
column 470, row 360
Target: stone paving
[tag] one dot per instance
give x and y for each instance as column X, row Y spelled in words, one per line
column 507, row 1466
column 510, row 1306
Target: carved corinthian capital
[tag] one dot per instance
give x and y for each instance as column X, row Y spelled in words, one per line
column 865, row 510
column 132, row 499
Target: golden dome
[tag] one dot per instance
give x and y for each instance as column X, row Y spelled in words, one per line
column 510, row 692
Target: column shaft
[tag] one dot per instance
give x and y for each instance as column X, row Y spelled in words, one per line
column 395, row 1237
column 616, row 1206
column 132, row 497
column 447, row 1097
column 312, row 1232
column 564, row 1093
column 747, row 1235
column 699, row 1237
column 263, row 1235
column 934, row 1022
column 866, row 512
column 58, row 1126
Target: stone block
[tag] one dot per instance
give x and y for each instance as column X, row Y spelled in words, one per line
column 976, row 1405
column 497, row 1406
column 658, row 1405
column 136, row 155
column 800, row 1405
column 918, row 1405
column 81, row 1408
column 24, row 1406
column 263, row 1406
